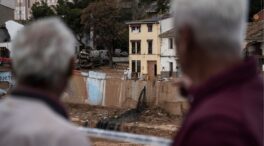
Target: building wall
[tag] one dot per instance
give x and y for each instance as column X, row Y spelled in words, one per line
column 158, row 28
column 165, row 64
column 20, row 13
column 165, row 48
column 23, row 8
column 168, row 55
column 166, row 24
column 6, row 14
column 143, row 36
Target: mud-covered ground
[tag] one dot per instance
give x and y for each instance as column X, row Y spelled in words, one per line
column 153, row 121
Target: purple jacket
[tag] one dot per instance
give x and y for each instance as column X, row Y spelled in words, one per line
column 226, row 111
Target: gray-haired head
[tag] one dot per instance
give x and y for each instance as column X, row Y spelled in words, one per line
column 218, row 25
column 42, row 52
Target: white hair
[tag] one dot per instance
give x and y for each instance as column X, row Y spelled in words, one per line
column 43, row 50
column 218, row 25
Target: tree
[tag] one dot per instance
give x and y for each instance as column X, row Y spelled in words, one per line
column 71, row 12
column 41, row 9
column 163, row 6
column 104, row 20
column 255, row 7
column 142, row 2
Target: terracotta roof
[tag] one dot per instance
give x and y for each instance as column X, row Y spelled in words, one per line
column 259, row 16
column 255, row 31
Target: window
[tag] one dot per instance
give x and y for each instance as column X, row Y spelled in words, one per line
column 150, row 42
column 135, row 28
column 136, row 66
column 136, row 47
column 133, row 66
column 171, row 68
column 133, row 47
column 170, row 43
column 155, row 70
column 150, row 27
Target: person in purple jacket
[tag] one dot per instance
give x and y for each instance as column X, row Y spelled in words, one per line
column 226, row 91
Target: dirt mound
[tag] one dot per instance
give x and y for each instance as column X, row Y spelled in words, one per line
column 157, row 115
column 154, row 115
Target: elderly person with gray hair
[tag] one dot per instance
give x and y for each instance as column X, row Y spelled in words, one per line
column 225, row 91
column 43, row 61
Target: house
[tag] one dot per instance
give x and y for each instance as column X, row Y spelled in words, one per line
column 23, row 8
column 7, row 8
column 168, row 56
column 253, row 46
column 255, row 42
column 145, row 45
column 259, row 16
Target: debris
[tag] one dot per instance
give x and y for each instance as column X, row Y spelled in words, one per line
column 114, row 122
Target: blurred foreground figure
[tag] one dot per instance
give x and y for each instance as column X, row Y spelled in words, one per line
column 32, row 115
column 227, row 92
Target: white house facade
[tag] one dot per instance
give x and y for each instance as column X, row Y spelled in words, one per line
column 168, row 57
column 167, row 50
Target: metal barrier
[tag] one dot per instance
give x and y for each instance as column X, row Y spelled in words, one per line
column 126, row 137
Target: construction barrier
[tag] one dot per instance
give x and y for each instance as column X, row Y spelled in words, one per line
column 95, row 88
column 126, row 137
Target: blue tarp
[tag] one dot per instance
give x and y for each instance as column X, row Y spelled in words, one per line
column 96, row 88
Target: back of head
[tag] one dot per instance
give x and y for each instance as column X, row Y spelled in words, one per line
column 218, row 25
column 42, row 52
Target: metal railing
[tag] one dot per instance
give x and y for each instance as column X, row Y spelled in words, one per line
column 126, row 137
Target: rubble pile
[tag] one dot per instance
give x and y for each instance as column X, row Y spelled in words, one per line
column 153, row 121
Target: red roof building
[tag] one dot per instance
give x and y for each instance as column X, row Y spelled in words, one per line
column 259, row 16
